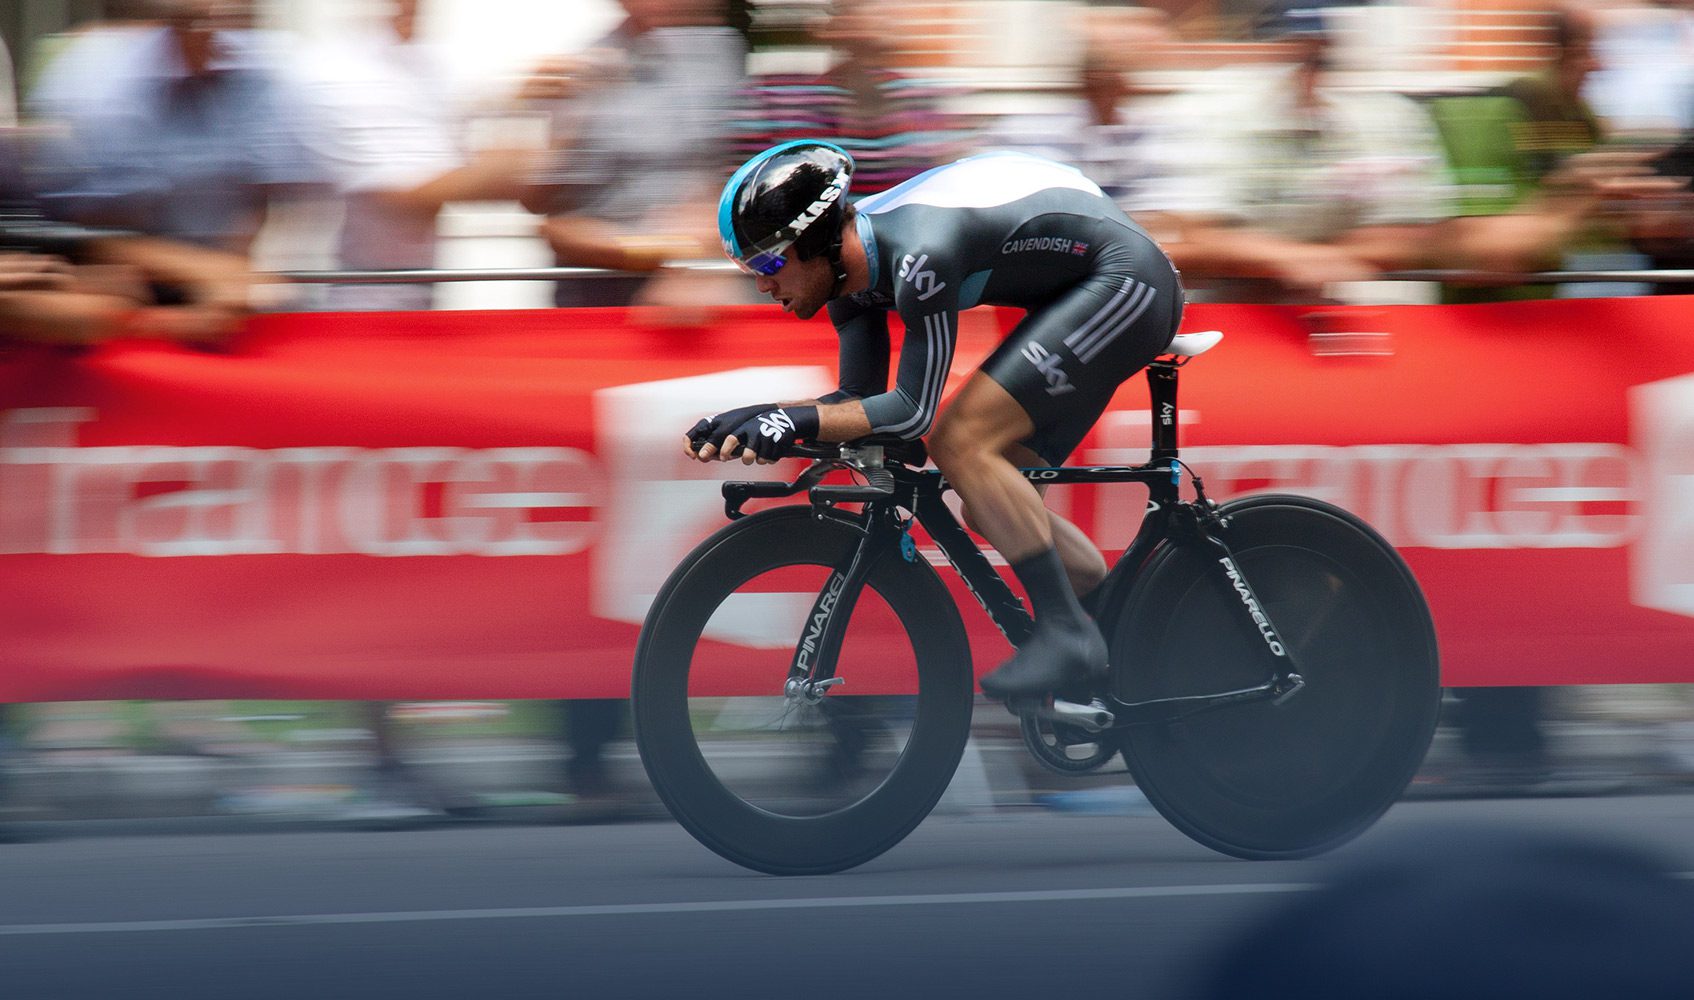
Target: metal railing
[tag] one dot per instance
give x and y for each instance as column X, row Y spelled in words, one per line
column 433, row 276
column 428, row 277
column 1664, row 277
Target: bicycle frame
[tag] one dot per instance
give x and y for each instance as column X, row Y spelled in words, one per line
column 885, row 533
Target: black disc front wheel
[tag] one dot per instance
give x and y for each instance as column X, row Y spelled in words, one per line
column 772, row 780
column 1262, row 780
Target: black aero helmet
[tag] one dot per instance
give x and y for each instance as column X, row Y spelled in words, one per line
column 793, row 194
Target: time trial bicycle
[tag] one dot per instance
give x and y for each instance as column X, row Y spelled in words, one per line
column 803, row 686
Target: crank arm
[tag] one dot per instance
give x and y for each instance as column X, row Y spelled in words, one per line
column 1156, row 710
column 1092, row 718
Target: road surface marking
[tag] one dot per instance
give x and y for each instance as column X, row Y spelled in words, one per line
column 657, row 909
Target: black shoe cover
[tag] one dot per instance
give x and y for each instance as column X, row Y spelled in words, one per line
column 1056, row 657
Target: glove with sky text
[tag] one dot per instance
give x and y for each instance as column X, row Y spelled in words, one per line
column 771, row 434
column 712, row 430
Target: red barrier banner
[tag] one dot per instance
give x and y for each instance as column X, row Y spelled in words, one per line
column 481, row 505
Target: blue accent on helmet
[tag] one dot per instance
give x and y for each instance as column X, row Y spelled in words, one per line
column 726, row 201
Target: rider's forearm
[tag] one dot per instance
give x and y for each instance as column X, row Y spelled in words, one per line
column 842, row 421
column 838, row 420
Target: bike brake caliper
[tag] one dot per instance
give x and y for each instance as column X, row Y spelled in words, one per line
column 908, row 547
column 1205, row 507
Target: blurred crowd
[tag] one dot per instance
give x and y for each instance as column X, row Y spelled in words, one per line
column 165, row 155
column 159, row 157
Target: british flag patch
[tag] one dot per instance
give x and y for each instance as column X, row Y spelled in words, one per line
column 1079, row 248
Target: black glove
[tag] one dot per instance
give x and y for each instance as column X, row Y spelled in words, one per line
column 712, row 430
column 772, row 433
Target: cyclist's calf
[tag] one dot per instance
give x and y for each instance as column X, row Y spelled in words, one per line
column 1084, row 564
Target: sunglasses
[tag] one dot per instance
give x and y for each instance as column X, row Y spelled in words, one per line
column 765, row 259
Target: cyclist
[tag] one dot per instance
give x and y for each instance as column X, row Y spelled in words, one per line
column 1002, row 228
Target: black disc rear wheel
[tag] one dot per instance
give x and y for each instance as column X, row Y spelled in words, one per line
column 1261, row 780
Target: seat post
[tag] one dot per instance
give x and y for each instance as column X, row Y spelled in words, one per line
column 1161, row 385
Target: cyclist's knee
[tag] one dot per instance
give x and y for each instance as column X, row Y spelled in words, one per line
column 947, row 448
column 959, row 441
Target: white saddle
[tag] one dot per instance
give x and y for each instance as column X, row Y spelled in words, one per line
column 1190, row 345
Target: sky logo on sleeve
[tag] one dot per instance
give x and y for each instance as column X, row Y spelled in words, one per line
column 924, row 281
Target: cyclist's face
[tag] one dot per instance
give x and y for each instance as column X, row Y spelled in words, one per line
column 801, row 286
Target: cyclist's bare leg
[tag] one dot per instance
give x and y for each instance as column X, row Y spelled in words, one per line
column 970, row 445
column 1084, row 564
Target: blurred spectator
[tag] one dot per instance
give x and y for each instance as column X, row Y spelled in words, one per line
column 172, row 133
column 1557, row 122
column 1535, row 180
column 1643, row 83
column 387, row 125
column 393, row 792
column 182, row 130
column 1111, row 127
column 891, row 122
column 57, row 85
column 591, row 724
column 1294, row 185
column 1664, row 229
column 1535, row 187
column 640, row 152
column 43, row 298
column 71, row 285
column 1461, row 915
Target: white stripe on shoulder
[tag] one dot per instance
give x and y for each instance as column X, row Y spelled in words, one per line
column 981, row 181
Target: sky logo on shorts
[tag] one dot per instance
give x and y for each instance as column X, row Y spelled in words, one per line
column 1047, row 363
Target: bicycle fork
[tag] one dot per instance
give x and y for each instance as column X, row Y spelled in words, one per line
column 812, row 671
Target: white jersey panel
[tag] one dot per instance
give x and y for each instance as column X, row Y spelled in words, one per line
column 982, row 181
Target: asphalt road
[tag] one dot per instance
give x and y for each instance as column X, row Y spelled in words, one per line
column 1026, row 904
